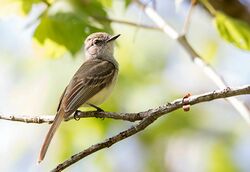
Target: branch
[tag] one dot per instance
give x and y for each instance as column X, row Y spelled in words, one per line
column 149, row 117
column 132, row 117
column 28, row 118
column 129, row 23
column 100, row 18
column 207, row 69
column 188, row 18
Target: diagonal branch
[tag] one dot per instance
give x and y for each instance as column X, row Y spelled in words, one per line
column 207, row 69
column 150, row 116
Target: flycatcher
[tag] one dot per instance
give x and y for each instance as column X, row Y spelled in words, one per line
column 91, row 84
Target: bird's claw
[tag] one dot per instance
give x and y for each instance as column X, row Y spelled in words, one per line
column 76, row 116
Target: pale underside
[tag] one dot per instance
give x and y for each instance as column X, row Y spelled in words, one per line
column 101, row 96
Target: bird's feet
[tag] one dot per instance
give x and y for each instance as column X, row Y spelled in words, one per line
column 76, row 116
column 77, row 112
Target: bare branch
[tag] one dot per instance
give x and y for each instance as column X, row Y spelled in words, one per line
column 150, row 116
column 100, row 18
column 132, row 117
column 28, row 118
column 49, row 118
column 207, row 69
column 129, row 23
column 188, row 18
column 159, row 21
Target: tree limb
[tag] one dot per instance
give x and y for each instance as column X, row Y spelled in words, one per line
column 49, row 118
column 207, row 69
column 149, row 117
column 28, row 118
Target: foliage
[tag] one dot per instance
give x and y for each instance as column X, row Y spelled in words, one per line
column 232, row 30
column 65, row 24
column 221, row 160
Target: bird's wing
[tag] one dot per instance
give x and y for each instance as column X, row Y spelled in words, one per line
column 60, row 101
column 92, row 77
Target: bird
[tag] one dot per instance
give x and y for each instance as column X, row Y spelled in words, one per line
column 92, row 83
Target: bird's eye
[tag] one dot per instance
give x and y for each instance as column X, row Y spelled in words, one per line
column 97, row 42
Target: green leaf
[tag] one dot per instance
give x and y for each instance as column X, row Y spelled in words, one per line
column 106, row 3
column 69, row 23
column 221, row 159
column 127, row 2
column 27, row 5
column 64, row 28
column 234, row 31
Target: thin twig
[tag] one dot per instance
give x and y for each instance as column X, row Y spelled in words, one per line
column 188, row 18
column 130, row 23
column 207, row 69
column 160, row 22
column 150, row 117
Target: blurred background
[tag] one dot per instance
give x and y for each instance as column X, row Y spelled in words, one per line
column 41, row 48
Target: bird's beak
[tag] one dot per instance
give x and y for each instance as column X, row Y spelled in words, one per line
column 113, row 38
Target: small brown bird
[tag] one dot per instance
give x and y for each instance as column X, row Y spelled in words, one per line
column 91, row 84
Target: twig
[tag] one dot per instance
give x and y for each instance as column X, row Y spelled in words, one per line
column 150, row 117
column 126, row 23
column 208, row 70
column 171, row 32
column 188, row 18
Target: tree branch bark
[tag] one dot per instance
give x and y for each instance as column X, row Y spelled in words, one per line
column 124, row 22
column 149, row 117
column 28, row 118
column 132, row 117
column 146, row 118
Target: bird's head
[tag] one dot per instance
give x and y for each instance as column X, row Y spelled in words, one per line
column 100, row 44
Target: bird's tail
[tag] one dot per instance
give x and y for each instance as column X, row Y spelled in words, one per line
column 57, row 121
